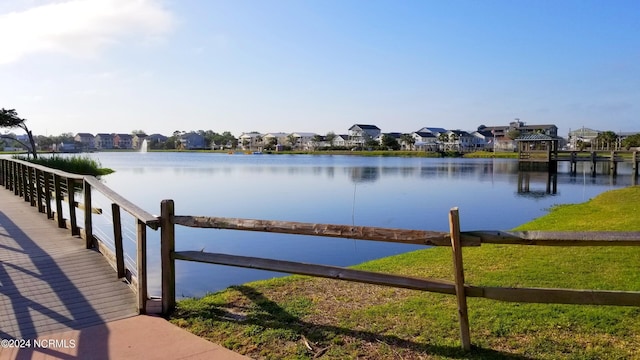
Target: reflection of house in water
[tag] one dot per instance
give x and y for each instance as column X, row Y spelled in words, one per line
column 525, row 178
column 365, row 174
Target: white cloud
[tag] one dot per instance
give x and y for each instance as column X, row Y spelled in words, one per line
column 80, row 27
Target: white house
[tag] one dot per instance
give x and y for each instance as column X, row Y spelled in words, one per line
column 359, row 134
column 251, row 140
column 425, row 141
column 304, row 140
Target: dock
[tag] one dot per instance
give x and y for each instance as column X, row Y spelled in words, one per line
column 540, row 150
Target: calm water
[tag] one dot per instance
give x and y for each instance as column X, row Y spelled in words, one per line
column 412, row 193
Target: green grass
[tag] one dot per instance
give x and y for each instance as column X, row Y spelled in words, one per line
column 75, row 164
column 278, row 318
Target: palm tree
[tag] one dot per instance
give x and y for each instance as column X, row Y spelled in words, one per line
column 454, row 139
column 444, row 139
column 409, row 140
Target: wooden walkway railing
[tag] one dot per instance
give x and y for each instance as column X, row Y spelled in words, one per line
column 454, row 238
column 48, row 189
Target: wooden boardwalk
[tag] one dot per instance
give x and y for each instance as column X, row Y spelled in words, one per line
column 49, row 281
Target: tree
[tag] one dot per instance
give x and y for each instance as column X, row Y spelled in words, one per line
column 631, row 141
column 9, row 118
column 293, row 140
column 389, row 143
column 607, row 140
column 330, row 137
column 409, row 140
column 443, row 138
column 513, row 134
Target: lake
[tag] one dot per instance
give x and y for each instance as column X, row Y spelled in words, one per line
column 411, row 193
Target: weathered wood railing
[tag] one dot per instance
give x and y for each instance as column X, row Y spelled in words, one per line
column 593, row 157
column 455, row 238
column 48, row 189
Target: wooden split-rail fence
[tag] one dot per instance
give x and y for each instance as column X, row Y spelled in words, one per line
column 37, row 184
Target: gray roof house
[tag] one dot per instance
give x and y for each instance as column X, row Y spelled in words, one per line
column 192, row 140
column 104, row 141
column 359, row 134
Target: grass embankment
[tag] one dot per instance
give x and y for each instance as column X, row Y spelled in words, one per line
column 75, row 164
column 300, row 317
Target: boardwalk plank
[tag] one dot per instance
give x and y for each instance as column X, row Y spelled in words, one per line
column 48, row 281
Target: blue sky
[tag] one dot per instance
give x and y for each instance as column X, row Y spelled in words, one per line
column 319, row 65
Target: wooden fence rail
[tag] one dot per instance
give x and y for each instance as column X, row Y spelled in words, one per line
column 47, row 189
column 454, row 238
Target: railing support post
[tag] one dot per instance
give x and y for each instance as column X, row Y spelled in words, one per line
column 72, row 206
column 463, row 316
column 39, row 193
column 88, row 220
column 117, row 239
column 47, row 194
column 58, row 194
column 167, row 253
column 142, row 267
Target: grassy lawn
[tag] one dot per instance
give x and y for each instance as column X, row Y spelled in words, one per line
column 304, row 318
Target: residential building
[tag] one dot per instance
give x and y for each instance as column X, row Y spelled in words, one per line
column 122, row 141
column 458, row 140
column 154, row 140
column 191, row 141
column 275, row 140
column 340, row 140
column 425, row 141
column 483, row 140
column 251, row 140
column 103, row 141
column 137, row 140
column 503, row 135
column 86, row 141
column 304, row 140
column 359, row 134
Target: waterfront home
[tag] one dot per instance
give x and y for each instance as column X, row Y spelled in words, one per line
column 192, row 141
column 359, row 134
column 483, row 139
column 303, row 140
column 123, row 141
column 251, row 140
column 103, row 141
column 137, row 140
column 87, row 141
column 425, row 141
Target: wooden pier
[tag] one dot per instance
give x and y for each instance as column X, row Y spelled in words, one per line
column 541, row 151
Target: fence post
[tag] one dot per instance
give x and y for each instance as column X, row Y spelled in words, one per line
column 47, row 194
column 463, row 316
column 39, row 193
column 167, row 249
column 142, row 267
column 33, row 185
column 16, row 179
column 25, row 186
column 58, row 194
column 117, row 239
column 88, row 220
column 72, row 206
